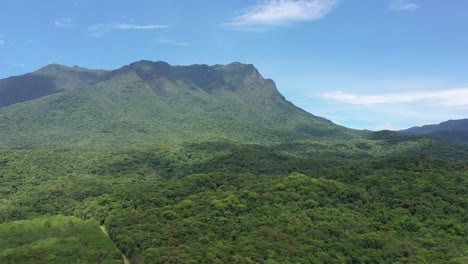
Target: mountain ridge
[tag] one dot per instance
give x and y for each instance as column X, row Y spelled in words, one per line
column 147, row 102
column 453, row 130
column 54, row 78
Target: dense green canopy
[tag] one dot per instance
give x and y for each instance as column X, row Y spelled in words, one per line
column 210, row 164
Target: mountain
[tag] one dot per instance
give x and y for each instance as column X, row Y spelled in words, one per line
column 453, row 130
column 151, row 102
column 153, row 163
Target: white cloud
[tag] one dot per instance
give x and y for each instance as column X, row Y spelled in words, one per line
column 172, row 42
column 282, row 12
column 64, row 22
column 444, row 98
column 2, row 39
column 99, row 30
column 403, row 5
column 143, row 27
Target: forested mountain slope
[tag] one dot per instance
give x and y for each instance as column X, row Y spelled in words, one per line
column 153, row 102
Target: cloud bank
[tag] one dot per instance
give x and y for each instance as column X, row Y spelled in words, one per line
column 282, row 12
column 392, row 110
column 447, row 98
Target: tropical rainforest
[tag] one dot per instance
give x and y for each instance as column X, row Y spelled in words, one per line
column 153, row 163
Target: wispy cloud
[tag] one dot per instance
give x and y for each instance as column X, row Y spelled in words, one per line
column 444, row 98
column 172, row 42
column 16, row 65
column 99, row 30
column 6, row 41
column 403, row 5
column 143, row 27
column 64, row 22
column 281, row 12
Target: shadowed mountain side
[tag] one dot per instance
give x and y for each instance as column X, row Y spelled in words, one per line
column 48, row 80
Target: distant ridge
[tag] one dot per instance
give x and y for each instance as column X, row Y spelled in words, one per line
column 454, row 130
column 152, row 102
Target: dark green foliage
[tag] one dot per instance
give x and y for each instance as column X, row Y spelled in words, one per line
column 390, row 137
column 347, row 206
column 393, row 142
column 228, row 218
column 452, row 135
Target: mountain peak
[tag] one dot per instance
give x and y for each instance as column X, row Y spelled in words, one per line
column 149, row 64
column 54, row 69
column 231, row 76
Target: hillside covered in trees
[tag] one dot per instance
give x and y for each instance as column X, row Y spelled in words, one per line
column 210, row 164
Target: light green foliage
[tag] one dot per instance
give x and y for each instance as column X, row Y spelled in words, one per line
column 55, row 239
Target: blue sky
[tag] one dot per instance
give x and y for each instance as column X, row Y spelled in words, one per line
column 368, row 64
